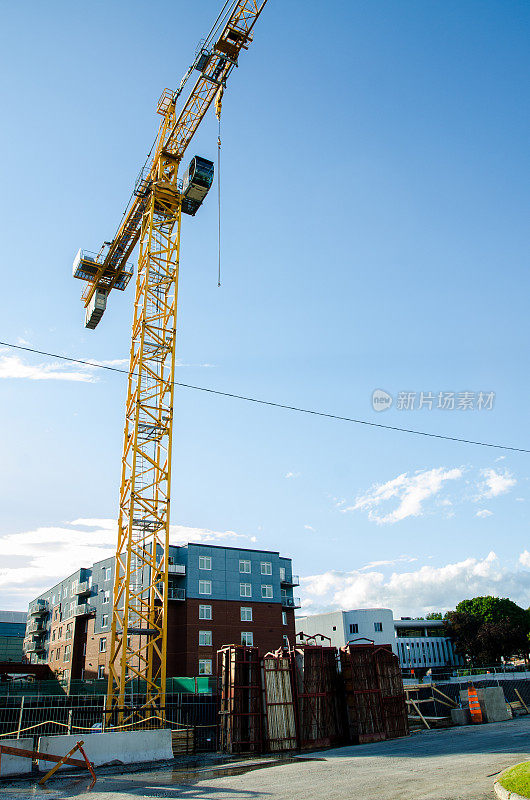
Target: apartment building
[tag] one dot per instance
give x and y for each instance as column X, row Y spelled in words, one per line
column 216, row 596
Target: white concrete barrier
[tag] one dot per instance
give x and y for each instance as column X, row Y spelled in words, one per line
column 131, row 747
column 15, row 765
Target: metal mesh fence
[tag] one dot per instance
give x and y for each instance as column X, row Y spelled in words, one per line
column 53, row 715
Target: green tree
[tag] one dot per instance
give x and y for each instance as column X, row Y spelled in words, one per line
column 486, row 629
column 434, row 615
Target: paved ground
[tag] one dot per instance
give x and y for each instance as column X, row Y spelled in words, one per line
column 454, row 764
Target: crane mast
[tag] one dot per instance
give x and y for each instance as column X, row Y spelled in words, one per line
column 139, row 616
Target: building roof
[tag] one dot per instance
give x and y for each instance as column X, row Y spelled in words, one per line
column 418, row 623
column 13, row 616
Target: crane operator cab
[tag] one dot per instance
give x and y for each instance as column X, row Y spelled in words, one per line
column 196, row 183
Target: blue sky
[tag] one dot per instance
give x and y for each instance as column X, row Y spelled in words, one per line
column 375, row 228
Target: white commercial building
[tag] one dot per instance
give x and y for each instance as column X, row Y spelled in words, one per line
column 341, row 627
column 424, row 643
column 418, row 643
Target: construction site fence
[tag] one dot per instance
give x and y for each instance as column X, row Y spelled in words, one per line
column 22, row 717
column 18, row 688
column 436, row 707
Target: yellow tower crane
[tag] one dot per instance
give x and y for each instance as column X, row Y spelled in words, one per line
column 153, row 217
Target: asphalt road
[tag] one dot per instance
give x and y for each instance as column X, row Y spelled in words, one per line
column 453, row 764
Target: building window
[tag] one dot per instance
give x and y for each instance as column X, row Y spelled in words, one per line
column 53, row 635
column 205, row 562
column 106, row 596
column 60, row 634
column 246, row 614
column 205, row 587
column 205, row 612
column 104, row 620
column 108, row 571
column 84, row 649
column 285, row 640
column 247, row 637
column 334, row 627
column 205, row 638
column 282, row 573
column 101, row 671
column 284, row 617
column 266, row 568
column 378, row 627
column 53, row 600
column 354, row 628
column 245, row 590
column 205, row 666
column 103, row 645
column 69, row 631
column 66, row 674
column 72, row 607
column 67, row 652
column 244, row 566
column 266, row 591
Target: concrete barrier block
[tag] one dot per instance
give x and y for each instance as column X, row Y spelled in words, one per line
column 15, row 765
column 460, row 716
column 492, row 703
column 131, row 747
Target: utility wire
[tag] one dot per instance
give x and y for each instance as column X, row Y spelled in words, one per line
column 271, row 403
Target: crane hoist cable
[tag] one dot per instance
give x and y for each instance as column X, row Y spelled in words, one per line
column 218, row 108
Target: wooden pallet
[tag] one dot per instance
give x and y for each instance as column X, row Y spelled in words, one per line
column 182, row 742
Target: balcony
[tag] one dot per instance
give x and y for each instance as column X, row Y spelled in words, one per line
column 83, row 589
column 294, row 580
column 35, row 627
column 176, row 569
column 84, row 610
column 176, row 594
column 35, row 647
column 291, row 602
column 39, row 607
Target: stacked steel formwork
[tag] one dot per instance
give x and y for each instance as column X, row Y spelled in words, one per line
column 279, row 702
column 375, row 698
column 240, row 699
column 319, row 695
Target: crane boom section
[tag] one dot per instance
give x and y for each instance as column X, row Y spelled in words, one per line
column 215, row 66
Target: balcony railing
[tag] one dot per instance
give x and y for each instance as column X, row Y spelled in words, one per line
column 35, row 647
column 83, row 610
column 40, row 607
column 35, row 627
column 83, row 588
column 294, row 580
column 176, row 569
column 291, row 602
column 176, row 594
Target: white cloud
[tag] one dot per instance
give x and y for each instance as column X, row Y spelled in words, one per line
column 495, row 483
column 388, row 562
column 33, row 561
column 483, row 513
column 309, row 528
column 421, row 591
column 292, row 475
column 14, row 367
column 411, row 492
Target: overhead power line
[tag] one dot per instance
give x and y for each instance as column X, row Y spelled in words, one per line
column 271, row 403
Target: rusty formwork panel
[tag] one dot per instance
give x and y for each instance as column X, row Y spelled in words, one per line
column 375, row 698
column 280, row 711
column 318, row 695
column 238, row 668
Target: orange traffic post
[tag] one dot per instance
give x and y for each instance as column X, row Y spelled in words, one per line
column 474, row 705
